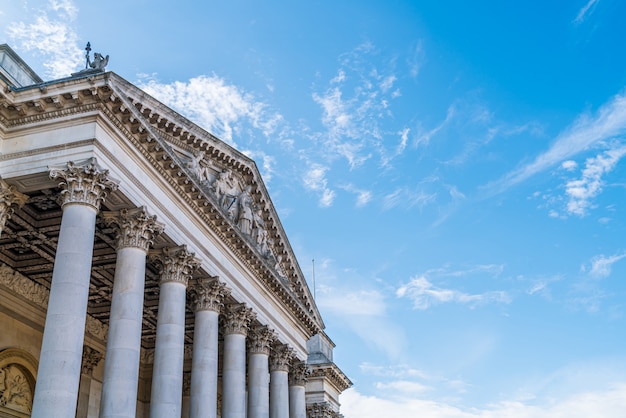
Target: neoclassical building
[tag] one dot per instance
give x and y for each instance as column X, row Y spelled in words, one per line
column 144, row 271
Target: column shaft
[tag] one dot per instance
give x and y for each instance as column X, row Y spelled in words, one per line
column 58, row 376
column 121, row 366
column 167, row 375
column 204, row 365
column 279, row 394
column 234, row 377
column 297, row 402
column 258, row 386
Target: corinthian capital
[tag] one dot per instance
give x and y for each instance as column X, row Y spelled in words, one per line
column 10, row 199
column 280, row 357
column 260, row 340
column 177, row 264
column 91, row 358
column 208, row 294
column 298, row 373
column 238, row 318
column 84, row 183
column 136, row 228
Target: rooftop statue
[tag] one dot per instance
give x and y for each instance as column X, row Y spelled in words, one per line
column 98, row 63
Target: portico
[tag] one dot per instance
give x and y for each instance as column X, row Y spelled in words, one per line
column 129, row 230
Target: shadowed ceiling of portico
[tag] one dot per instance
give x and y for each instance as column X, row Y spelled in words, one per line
column 28, row 245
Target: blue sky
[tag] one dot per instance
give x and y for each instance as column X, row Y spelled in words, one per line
column 456, row 169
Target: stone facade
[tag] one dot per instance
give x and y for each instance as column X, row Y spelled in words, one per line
column 144, row 271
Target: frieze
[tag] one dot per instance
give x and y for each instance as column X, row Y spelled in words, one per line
column 39, row 294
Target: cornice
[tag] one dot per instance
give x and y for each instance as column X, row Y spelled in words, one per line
column 331, row 373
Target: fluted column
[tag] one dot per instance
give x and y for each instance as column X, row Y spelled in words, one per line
column 280, row 357
column 208, row 297
column 260, row 340
column 298, row 373
column 136, row 230
column 10, row 199
column 238, row 319
column 85, row 185
column 91, row 358
column 167, row 373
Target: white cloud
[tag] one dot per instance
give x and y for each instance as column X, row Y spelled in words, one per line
column 315, row 180
column 425, row 294
column 219, row 107
column 585, row 11
column 609, row 403
column 406, row 198
column 50, row 35
column 608, row 122
column 601, row 265
column 581, row 191
column 354, row 104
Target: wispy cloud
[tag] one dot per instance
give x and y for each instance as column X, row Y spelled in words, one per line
column 600, row 265
column 50, row 35
column 581, row 191
column 315, row 180
column 587, row 130
column 355, row 104
column 608, row 403
column 407, row 198
column 425, row 294
column 585, row 11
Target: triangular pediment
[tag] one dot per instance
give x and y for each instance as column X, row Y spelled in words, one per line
column 218, row 174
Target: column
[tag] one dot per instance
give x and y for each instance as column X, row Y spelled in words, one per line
column 10, row 199
column 298, row 373
column 91, row 358
column 280, row 358
column 167, row 373
column 136, row 231
column 238, row 319
column 208, row 297
column 260, row 341
column 85, row 185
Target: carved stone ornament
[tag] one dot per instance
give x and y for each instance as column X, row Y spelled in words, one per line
column 238, row 319
column 91, row 358
column 208, row 294
column 136, row 228
column 226, row 188
column 84, row 182
column 177, row 264
column 321, row 410
column 10, row 199
column 298, row 373
column 280, row 357
column 15, row 391
column 39, row 294
column 260, row 340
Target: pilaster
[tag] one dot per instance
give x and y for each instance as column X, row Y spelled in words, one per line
column 10, row 199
